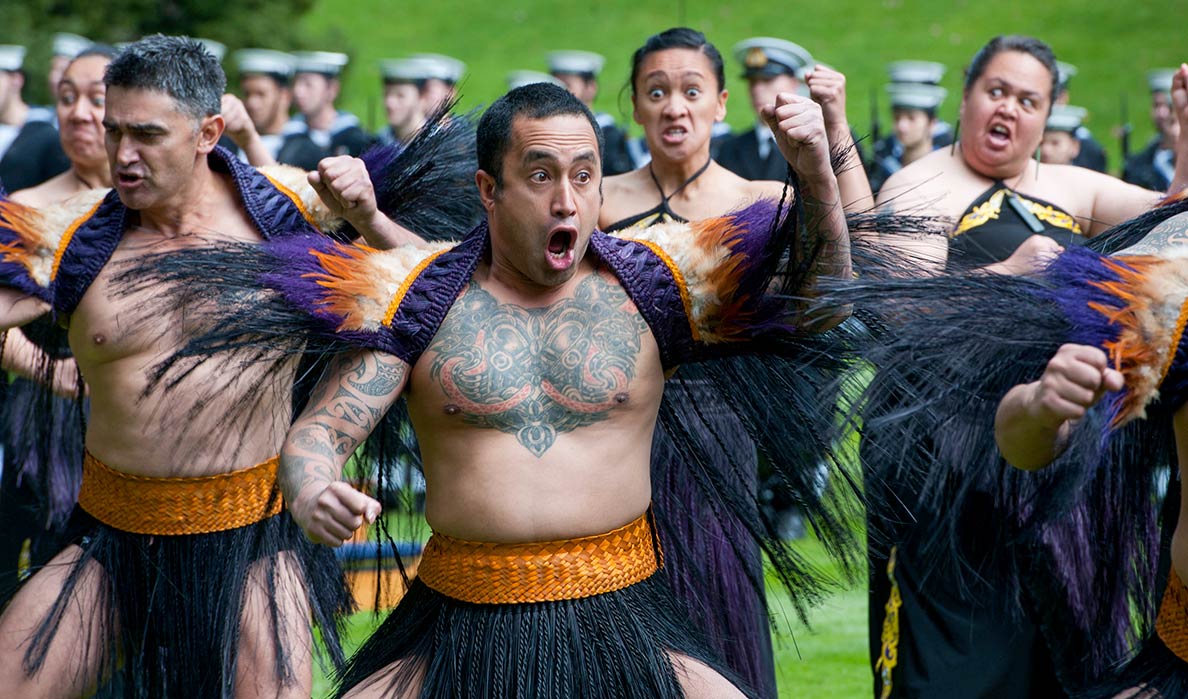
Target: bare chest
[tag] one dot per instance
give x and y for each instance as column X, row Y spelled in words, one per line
column 539, row 372
column 112, row 322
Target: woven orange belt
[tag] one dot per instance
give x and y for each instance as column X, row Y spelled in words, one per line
column 176, row 506
column 1172, row 623
column 488, row 573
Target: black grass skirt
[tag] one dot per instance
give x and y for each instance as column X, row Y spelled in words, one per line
column 168, row 612
column 615, row 644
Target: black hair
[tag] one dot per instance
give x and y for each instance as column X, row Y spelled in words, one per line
column 588, row 76
column 176, row 65
column 281, row 79
column 679, row 38
column 534, row 101
column 1029, row 45
column 418, row 83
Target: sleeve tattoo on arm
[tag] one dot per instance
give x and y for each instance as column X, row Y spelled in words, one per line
column 350, row 401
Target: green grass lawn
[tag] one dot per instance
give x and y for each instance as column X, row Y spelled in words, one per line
column 827, row 661
column 1113, row 44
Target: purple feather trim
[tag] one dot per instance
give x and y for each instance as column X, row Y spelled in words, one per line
column 1076, row 279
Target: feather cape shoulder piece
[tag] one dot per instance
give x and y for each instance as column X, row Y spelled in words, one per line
column 32, row 241
column 720, row 269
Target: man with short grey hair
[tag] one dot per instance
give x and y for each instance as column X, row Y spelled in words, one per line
column 186, row 576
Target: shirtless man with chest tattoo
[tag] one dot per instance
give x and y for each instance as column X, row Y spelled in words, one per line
column 534, row 404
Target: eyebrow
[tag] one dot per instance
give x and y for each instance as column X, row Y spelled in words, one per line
column 1008, row 83
column 532, row 156
column 664, row 74
column 149, row 129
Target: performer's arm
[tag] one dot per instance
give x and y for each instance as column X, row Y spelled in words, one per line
column 1033, row 420
column 799, row 129
column 349, row 402
column 241, row 130
column 344, row 186
column 17, row 309
column 23, row 358
column 828, row 89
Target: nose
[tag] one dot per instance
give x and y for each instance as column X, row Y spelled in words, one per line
column 1010, row 105
column 564, row 200
column 125, row 151
column 82, row 110
column 674, row 107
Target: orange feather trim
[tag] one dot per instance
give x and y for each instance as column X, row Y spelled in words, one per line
column 364, row 286
column 1151, row 314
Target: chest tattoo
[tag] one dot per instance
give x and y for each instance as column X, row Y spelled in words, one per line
column 538, row 372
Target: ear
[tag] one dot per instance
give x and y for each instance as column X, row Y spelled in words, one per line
column 720, row 113
column 210, row 129
column 635, row 110
column 487, row 189
column 333, row 87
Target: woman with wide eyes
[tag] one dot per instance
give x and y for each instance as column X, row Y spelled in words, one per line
column 935, row 632
column 678, row 94
column 80, row 126
column 1007, row 208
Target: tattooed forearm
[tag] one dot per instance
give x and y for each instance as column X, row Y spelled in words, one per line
column 305, row 459
column 826, row 222
column 344, row 409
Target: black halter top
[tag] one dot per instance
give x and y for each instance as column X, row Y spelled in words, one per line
column 1000, row 219
column 660, row 213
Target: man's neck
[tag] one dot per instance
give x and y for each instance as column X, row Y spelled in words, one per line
column 275, row 126
column 15, row 112
column 189, row 210
column 921, row 149
column 323, row 119
column 503, row 279
column 404, row 132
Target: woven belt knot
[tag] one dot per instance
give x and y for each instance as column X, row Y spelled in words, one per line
column 490, row 573
column 177, row 506
column 1172, row 623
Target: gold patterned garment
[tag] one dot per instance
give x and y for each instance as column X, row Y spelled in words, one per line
column 998, row 222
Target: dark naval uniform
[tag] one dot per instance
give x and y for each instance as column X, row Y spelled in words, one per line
column 1152, row 167
column 1092, row 155
column 753, row 154
column 344, row 137
column 34, row 155
column 292, row 146
column 615, row 158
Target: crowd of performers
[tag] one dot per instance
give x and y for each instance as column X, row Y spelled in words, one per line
column 221, row 363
